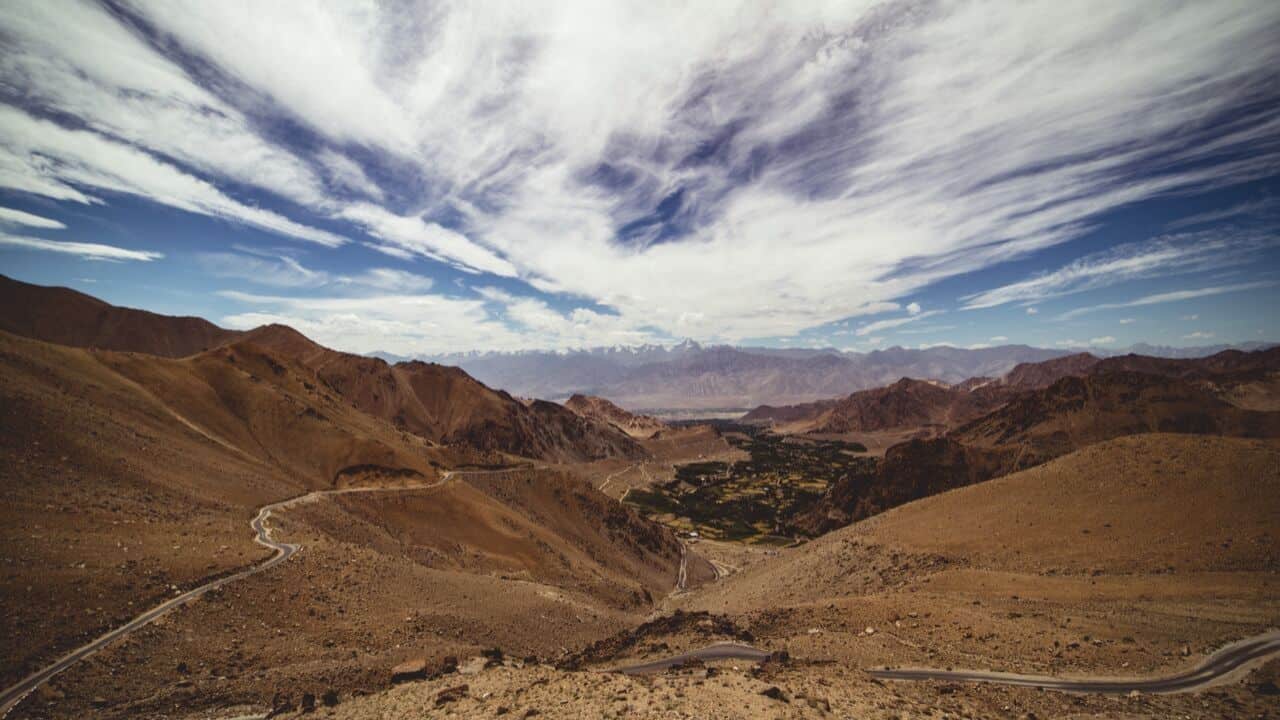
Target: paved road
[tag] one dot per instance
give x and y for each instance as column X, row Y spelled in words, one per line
column 10, row 697
column 1216, row 668
column 719, row 651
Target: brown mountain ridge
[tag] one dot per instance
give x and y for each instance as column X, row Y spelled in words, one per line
column 439, row 403
column 67, row 317
column 601, row 410
column 1037, row 426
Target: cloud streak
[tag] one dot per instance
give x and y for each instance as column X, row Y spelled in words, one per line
column 87, row 251
column 891, row 323
column 1161, row 256
column 9, row 216
column 1167, row 297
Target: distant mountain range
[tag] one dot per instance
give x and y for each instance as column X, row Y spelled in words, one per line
column 692, row 376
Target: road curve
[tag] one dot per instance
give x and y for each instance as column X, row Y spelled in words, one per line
column 718, row 651
column 1215, row 668
column 11, row 696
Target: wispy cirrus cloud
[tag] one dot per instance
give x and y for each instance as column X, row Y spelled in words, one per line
column 1161, row 256
column 1264, row 209
column 1167, row 297
column 87, row 251
column 285, row 271
column 261, row 269
column 9, row 216
column 891, row 323
column 45, row 158
column 1092, row 342
column 432, row 323
column 413, row 236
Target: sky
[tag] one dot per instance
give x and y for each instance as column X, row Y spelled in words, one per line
column 430, row 177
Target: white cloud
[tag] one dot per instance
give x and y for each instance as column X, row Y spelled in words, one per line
column 75, row 58
column 279, row 270
column 924, row 330
column 1093, row 342
column 42, row 157
column 497, row 295
column 88, row 251
column 429, row 323
column 390, row 280
column 346, row 174
column 415, row 236
column 1032, row 311
column 913, row 308
column 9, row 216
column 1264, row 207
column 891, row 323
column 1127, row 321
column 1165, row 255
column 402, row 324
column 1198, row 335
column 1192, row 317
column 999, row 338
column 1165, row 297
column 275, row 271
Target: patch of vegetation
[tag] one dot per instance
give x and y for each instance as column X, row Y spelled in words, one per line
column 752, row 500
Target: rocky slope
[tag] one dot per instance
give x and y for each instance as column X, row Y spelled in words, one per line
column 1032, row 428
column 1033, row 375
column 907, row 403
column 603, row 411
column 446, row 405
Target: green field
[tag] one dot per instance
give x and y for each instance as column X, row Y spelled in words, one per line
column 751, row 500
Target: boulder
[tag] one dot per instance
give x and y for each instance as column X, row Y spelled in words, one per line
column 415, row 669
column 452, row 694
column 773, row 692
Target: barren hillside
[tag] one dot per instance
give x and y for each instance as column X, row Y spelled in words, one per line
column 601, row 410
column 66, row 317
column 1033, row 427
column 446, row 405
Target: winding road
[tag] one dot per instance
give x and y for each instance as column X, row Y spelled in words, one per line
column 1215, row 668
column 718, row 651
column 11, row 696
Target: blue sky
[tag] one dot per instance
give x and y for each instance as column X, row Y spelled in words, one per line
column 422, row 178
